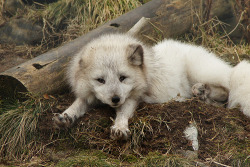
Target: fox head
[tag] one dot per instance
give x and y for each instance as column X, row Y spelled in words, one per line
column 111, row 68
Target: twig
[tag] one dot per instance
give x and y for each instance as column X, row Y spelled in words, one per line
column 220, row 164
column 150, row 38
column 168, row 150
column 237, row 55
column 138, row 26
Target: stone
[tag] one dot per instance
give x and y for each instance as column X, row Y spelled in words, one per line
column 20, row 31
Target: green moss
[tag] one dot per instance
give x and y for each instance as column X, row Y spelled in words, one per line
column 157, row 159
column 88, row 158
column 129, row 158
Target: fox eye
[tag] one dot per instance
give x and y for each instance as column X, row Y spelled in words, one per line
column 122, row 78
column 101, row 80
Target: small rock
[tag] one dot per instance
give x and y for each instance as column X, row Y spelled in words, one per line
column 20, row 31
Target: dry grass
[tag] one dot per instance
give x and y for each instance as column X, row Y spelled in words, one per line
column 19, row 137
column 2, row 18
column 213, row 35
column 66, row 20
column 157, row 137
column 74, row 18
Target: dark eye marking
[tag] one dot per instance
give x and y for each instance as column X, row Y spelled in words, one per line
column 101, row 80
column 122, row 78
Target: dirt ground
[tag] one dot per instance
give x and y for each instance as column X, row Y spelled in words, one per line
column 158, row 128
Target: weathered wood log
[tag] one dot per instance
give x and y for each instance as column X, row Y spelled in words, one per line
column 46, row 73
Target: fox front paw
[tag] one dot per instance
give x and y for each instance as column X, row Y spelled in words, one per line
column 118, row 133
column 200, row 90
column 62, row 121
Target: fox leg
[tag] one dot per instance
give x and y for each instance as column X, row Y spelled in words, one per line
column 211, row 94
column 120, row 129
column 69, row 116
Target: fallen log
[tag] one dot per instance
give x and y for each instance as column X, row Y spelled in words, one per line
column 46, row 73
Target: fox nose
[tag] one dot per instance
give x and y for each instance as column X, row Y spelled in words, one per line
column 115, row 99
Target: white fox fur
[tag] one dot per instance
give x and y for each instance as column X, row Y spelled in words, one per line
column 119, row 70
column 239, row 94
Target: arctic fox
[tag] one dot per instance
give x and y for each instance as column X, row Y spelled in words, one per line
column 121, row 71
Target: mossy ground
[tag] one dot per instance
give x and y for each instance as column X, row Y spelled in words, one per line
column 156, row 140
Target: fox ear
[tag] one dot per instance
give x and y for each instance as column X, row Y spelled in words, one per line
column 83, row 64
column 135, row 53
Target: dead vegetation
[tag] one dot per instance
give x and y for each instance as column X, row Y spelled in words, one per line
column 212, row 35
column 26, row 136
column 19, row 121
column 65, row 20
column 157, row 137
